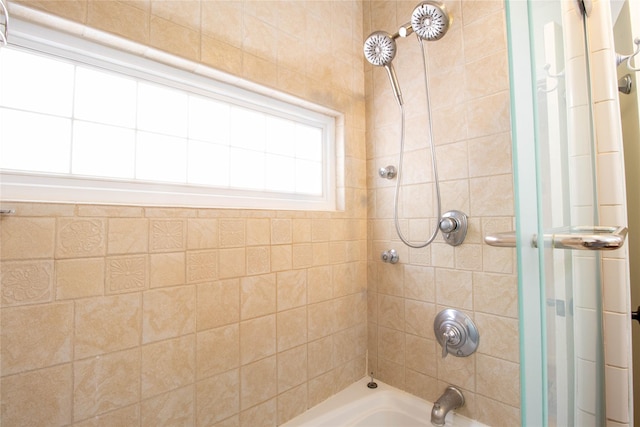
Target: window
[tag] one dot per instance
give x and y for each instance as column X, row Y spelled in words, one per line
column 85, row 123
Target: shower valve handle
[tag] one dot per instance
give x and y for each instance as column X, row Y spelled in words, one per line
column 451, row 335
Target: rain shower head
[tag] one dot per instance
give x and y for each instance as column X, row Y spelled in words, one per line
column 380, row 49
column 430, row 20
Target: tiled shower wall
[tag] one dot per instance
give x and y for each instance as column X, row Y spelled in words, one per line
column 613, row 211
column 124, row 315
column 469, row 86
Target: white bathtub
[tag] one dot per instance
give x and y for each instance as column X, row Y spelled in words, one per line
column 385, row 406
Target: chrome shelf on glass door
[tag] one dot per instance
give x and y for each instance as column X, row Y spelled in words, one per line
column 588, row 238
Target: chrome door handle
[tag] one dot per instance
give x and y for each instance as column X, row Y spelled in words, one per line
column 586, row 238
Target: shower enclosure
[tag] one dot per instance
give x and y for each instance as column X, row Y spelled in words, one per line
column 561, row 349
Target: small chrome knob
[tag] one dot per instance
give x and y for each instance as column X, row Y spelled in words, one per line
column 447, row 225
column 389, row 172
column 390, row 256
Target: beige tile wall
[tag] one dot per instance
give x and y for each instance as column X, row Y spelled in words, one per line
column 123, row 315
column 470, row 97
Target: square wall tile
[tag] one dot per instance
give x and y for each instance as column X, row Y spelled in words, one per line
column 258, row 382
column 25, row 238
column 217, row 350
column 291, row 289
column 36, row 337
column 257, row 296
column 217, row 397
column 168, row 313
column 257, row 338
column 168, row 365
column 106, row 324
column 78, row 278
column 292, row 368
column 167, row 235
column 292, row 328
column 78, row 238
column 41, row 397
column 167, row 269
column 26, row 282
column 292, row 403
column 126, row 274
column 105, row 383
column 176, row 407
column 128, row 236
column 217, row 304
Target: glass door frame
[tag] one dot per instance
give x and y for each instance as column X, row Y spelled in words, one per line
column 533, row 375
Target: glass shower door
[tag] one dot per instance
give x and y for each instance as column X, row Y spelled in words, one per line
column 557, row 242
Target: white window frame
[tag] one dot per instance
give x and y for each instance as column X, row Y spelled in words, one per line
column 192, row 77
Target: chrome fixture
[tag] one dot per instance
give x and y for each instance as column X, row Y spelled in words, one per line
column 7, row 211
column 586, row 238
column 625, row 84
column 380, row 49
column 451, row 399
column 389, row 172
column 627, row 58
column 430, row 20
column 406, row 30
column 456, row 333
column 390, row 256
column 453, row 225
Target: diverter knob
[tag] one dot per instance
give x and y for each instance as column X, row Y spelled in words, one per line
column 390, row 256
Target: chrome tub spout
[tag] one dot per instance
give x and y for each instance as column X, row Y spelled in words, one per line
column 451, row 399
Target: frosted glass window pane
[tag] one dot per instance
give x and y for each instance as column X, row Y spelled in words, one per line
column 208, row 120
column 247, row 169
column 280, row 136
column 247, row 129
column 208, row 164
column 34, row 142
column 280, row 174
column 105, row 98
column 35, row 83
column 100, row 150
column 108, row 118
column 162, row 110
column 308, row 177
column 308, row 143
column 161, row 158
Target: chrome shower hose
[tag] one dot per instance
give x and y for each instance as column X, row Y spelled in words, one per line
column 433, row 162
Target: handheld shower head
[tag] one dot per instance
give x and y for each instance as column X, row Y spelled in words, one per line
column 430, row 20
column 380, row 49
